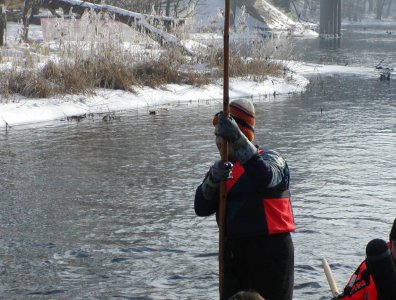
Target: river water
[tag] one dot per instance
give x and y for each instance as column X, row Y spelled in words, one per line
column 104, row 210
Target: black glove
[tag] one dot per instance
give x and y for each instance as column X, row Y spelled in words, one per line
column 228, row 129
column 219, row 171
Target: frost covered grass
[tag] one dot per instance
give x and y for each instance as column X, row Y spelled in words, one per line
column 95, row 52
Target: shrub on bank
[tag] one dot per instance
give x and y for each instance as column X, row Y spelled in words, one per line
column 25, row 83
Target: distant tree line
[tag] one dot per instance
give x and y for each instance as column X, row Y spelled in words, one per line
column 356, row 9
column 352, row 9
column 2, row 22
column 160, row 7
column 173, row 8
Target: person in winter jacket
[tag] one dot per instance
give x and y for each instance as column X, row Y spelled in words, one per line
column 361, row 285
column 259, row 252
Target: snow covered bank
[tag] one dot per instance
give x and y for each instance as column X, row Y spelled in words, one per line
column 26, row 111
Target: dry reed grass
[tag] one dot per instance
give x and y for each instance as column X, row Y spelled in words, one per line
column 253, row 69
column 66, row 78
column 28, row 84
column 111, row 75
column 257, row 69
column 102, row 61
column 14, row 4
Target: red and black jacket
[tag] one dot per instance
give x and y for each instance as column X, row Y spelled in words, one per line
column 258, row 198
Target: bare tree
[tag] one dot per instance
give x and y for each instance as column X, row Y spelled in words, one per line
column 32, row 7
column 364, row 5
column 25, row 19
column 353, row 9
column 380, row 7
column 283, row 4
column 172, row 8
column 389, row 8
column 305, row 8
column 309, row 7
column 371, row 5
column 2, row 22
column 176, row 8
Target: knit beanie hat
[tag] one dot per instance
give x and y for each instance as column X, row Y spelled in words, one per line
column 392, row 235
column 242, row 110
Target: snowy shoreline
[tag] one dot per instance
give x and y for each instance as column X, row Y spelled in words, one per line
column 25, row 111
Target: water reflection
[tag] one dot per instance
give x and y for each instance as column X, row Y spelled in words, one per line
column 358, row 46
column 330, row 43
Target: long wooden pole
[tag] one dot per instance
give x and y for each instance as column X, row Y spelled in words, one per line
column 224, row 146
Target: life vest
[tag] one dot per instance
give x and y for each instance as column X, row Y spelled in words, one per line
column 361, row 285
column 250, row 213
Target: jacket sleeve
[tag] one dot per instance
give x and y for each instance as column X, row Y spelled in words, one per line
column 202, row 206
column 268, row 171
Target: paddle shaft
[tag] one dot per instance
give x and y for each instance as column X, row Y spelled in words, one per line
column 330, row 278
column 224, row 147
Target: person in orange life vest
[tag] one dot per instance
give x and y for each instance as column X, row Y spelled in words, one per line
column 259, row 251
column 361, row 285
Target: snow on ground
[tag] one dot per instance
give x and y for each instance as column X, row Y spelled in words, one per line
column 26, row 111
column 18, row 110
